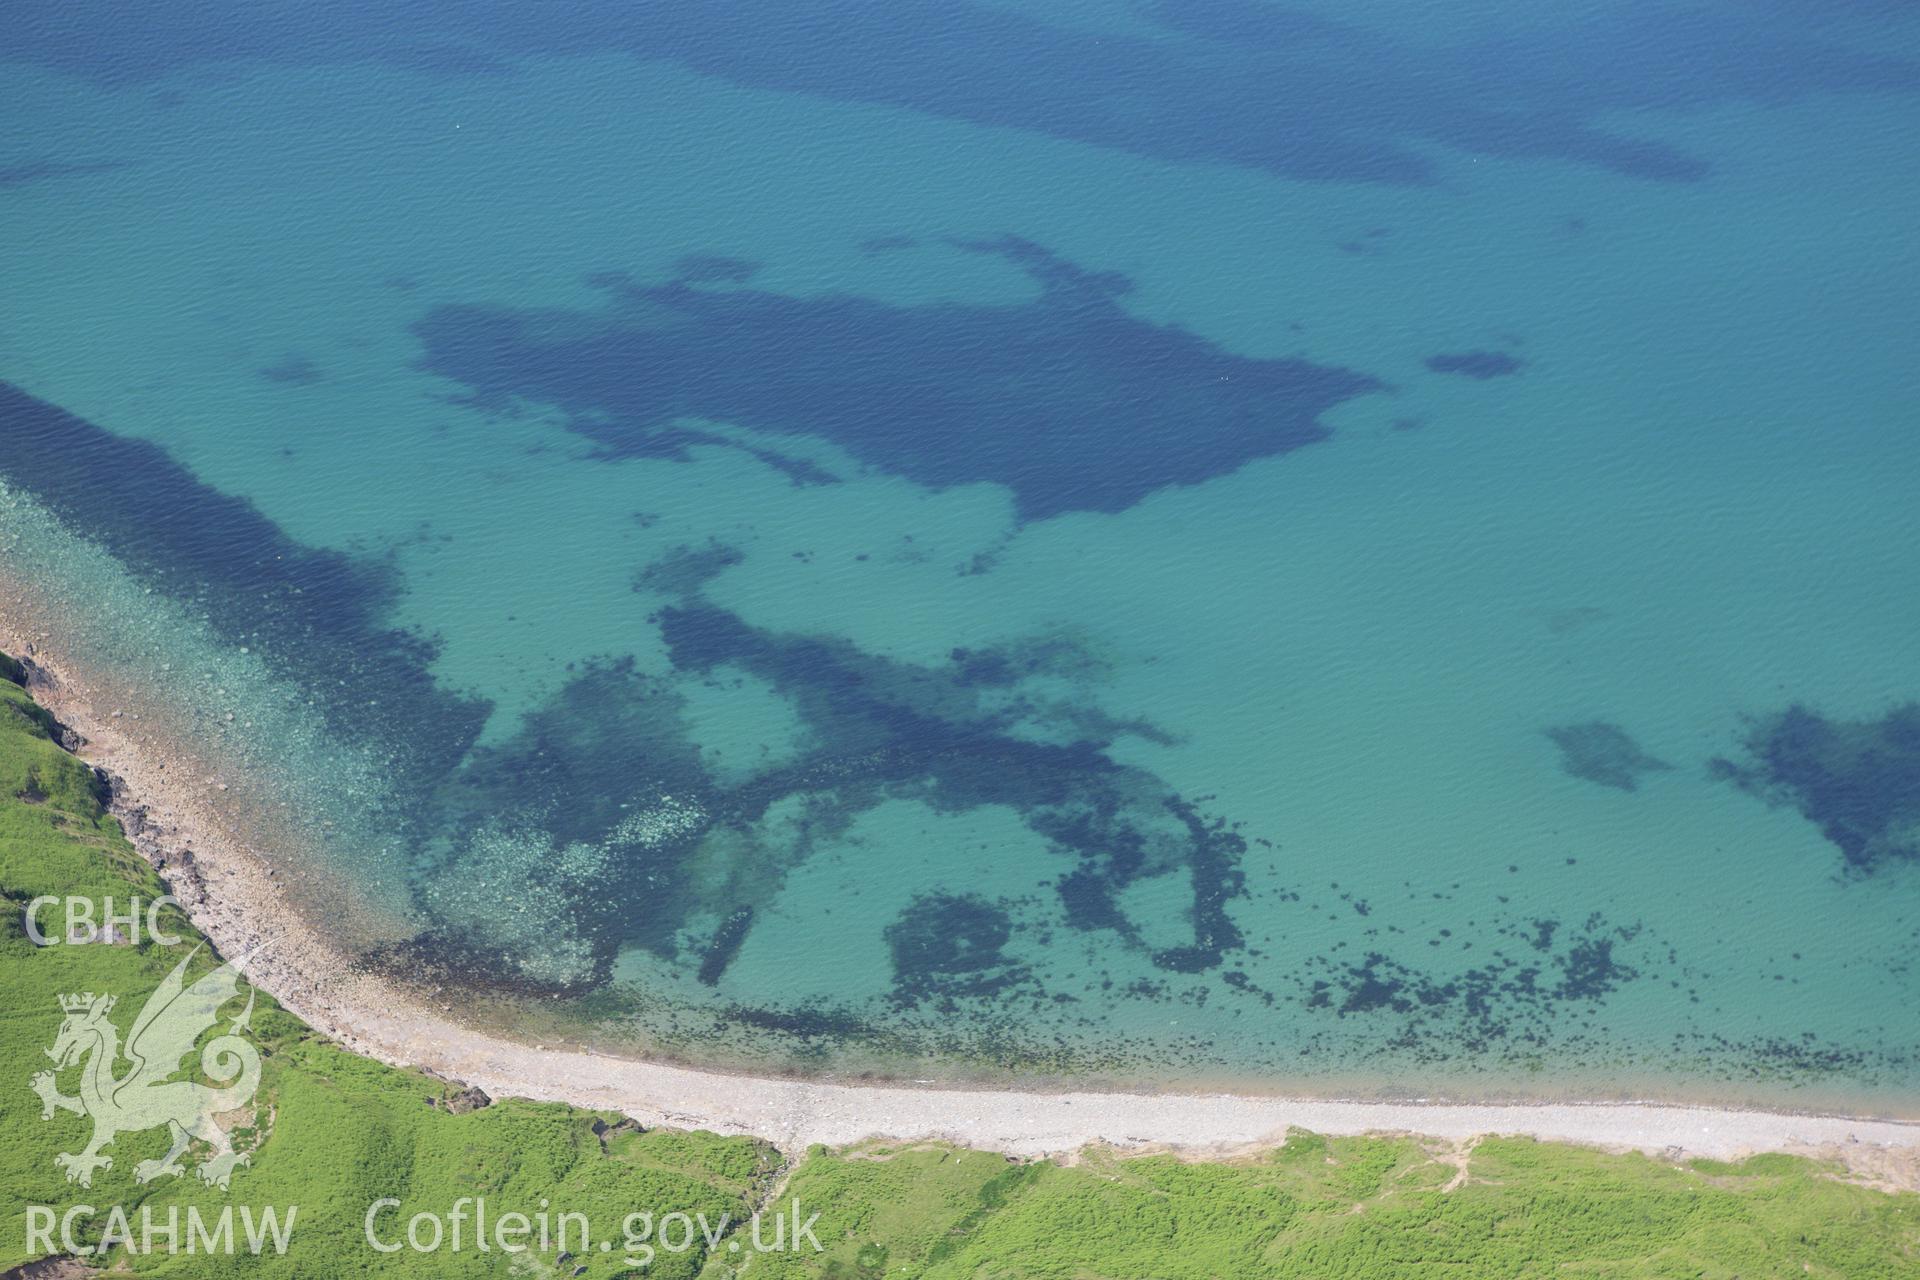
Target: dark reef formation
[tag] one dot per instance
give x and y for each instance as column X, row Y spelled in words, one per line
column 1602, row 753
column 1066, row 399
column 1857, row 780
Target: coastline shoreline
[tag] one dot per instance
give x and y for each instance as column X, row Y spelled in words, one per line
column 228, row 888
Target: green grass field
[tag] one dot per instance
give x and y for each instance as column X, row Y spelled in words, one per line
column 332, row 1134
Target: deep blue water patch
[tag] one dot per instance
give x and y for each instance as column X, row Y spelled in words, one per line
column 1266, row 86
column 1068, row 400
column 315, row 616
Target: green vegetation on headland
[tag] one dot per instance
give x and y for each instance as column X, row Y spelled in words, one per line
column 1343, row 1209
column 332, row 1134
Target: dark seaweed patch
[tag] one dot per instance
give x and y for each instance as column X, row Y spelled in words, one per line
column 613, row 742
column 927, row 732
column 686, row 570
column 1068, row 400
column 1588, row 970
column 803, row 1023
column 1217, row 879
column 1086, row 895
column 1475, row 364
column 611, row 735
column 1603, row 754
column 1857, row 780
column 314, row 616
column 725, row 946
column 946, row 947
column 1476, row 1007
column 437, row 958
column 1009, row 664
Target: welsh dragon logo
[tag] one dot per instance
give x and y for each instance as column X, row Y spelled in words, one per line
column 143, row 1097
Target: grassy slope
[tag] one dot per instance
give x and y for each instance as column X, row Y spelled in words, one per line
column 333, row 1132
column 1342, row 1209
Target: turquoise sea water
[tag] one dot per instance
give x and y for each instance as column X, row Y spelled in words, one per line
column 1351, row 545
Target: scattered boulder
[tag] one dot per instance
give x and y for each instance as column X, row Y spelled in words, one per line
column 608, row 1132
